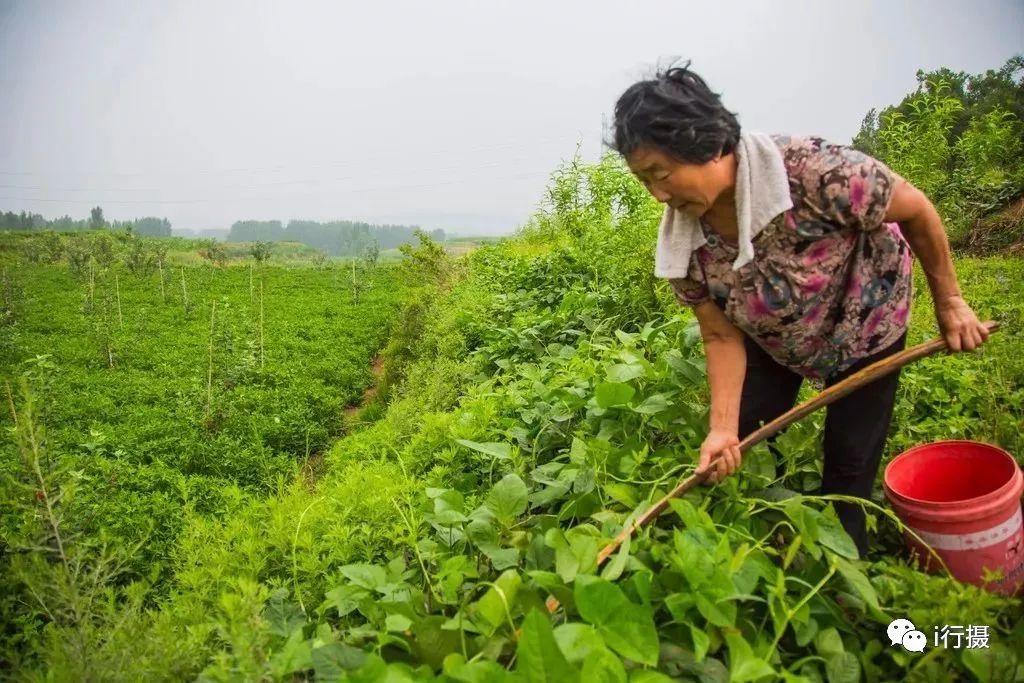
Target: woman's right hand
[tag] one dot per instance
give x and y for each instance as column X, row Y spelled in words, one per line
column 719, row 454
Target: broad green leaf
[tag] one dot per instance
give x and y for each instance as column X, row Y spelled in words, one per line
column 368, row 576
column 843, row 667
column 496, row 604
column 537, row 655
column 332, row 660
column 295, row 656
column 431, row 643
column 610, row 394
column 690, row 371
column 578, row 451
column 628, row 628
column 577, row 641
column 753, row 567
column 483, row 671
column 627, row 339
column 829, row 643
column 283, row 616
column 760, row 462
column 692, row 556
column 623, row 493
column 622, row 372
column 717, row 612
column 603, row 667
column 805, row 632
column 397, row 623
column 833, row 536
column 496, row 449
column 553, row 583
column 575, row 551
column 653, row 404
column 744, row 665
column 648, row 676
column 448, row 517
column 613, row 570
column 448, row 499
column 701, row 642
column 585, row 481
column 508, row 499
column 998, row 662
column 345, row 599
column 805, row 519
column 485, row 537
column 680, row 661
column 691, row 517
column 861, row 585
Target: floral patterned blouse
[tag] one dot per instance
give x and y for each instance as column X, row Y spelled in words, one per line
column 830, row 282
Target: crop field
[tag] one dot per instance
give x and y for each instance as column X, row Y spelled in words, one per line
column 219, row 518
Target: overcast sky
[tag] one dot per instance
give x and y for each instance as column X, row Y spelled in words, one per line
column 443, row 114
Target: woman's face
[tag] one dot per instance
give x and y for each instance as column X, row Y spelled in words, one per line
column 690, row 188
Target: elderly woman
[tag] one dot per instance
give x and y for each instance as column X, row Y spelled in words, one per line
column 795, row 255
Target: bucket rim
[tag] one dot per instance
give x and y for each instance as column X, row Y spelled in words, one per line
column 1016, row 480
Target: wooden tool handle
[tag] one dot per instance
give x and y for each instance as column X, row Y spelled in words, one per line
column 824, row 398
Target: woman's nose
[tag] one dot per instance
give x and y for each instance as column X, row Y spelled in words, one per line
column 660, row 194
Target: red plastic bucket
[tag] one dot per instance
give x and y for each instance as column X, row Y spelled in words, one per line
column 963, row 499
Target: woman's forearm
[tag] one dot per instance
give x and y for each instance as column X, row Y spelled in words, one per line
column 727, row 362
column 927, row 238
column 922, row 227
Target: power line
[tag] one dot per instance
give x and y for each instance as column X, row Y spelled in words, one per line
column 280, row 167
column 253, row 186
column 532, row 175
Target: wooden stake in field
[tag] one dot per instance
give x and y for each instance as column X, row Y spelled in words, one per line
column 250, row 283
column 8, row 298
column 92, row 284
column 117, row 290
column 209, row 371
column 163, row 294
column 108, row 333
column 355, row 292
column 184, row 292
column 261, row 322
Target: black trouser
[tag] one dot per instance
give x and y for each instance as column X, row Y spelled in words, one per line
column 855, row 426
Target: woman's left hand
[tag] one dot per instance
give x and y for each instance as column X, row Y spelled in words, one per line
column 959, row 325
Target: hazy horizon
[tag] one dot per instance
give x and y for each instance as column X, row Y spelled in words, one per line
column 446, row 115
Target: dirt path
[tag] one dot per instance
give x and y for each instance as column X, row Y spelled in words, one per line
column 313, row 466
column 371, row 391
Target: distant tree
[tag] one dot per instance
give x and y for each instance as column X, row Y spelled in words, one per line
column 103, row 249
column 160, row 253
column 215, row 254
column 250, row 231
column 260, row 251
column 959, row 138
column 96, row 219
column 153, row 227
column 139, row 258
column 426, row 263
column 78, row 254
column 371, row 254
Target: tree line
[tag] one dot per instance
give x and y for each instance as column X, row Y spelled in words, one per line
column 959, row 137
column 338, row 238
column 149, row 226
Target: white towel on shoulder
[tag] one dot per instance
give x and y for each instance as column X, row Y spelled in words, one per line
column 762, row 193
